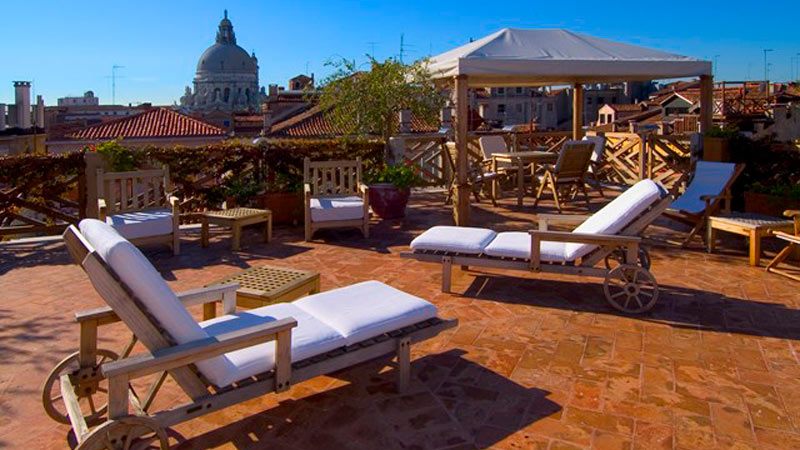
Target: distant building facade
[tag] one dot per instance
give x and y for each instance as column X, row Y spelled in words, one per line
column 226, row 78
column 21, row 127
column 88, row 99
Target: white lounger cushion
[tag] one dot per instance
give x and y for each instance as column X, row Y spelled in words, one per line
column 517, row 244
column 364, row 310
column 336, row 208
column 310, row 338
column 615, row 216
column 466, row 240
column 709, row 178
column 138, row 224
column 146, row 284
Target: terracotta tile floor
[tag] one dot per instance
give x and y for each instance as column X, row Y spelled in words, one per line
column 538, row 362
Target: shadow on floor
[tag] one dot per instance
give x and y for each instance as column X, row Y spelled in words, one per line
column 451, row 402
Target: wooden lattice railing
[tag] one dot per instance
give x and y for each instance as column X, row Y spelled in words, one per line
column 631, row 157
column 430, row 154
column 41, row 194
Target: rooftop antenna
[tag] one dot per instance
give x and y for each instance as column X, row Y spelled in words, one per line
column 372, row 48
column 307, row 63
column 114, row 83
column 402, row 47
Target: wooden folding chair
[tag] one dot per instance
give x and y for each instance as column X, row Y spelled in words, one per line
column 568, row 172
column 792, row 246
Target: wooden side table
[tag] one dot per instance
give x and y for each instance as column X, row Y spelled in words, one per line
column 754, row 226
column 236, row 218
column 265, row 285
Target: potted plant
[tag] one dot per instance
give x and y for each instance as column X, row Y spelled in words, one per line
column 716, row 144
column 390, row 189
column 771, row 200
column 239, row 191
column 283, row 196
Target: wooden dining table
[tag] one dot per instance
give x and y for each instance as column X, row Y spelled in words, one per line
column 520, row 160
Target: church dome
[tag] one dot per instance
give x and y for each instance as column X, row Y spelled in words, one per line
column 225, row 55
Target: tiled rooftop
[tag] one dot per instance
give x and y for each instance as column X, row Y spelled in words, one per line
column 156, row 122
column 316, row 123
column 537, row 362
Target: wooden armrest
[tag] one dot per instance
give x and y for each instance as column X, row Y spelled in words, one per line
column 707, row 198
column 105, row 315
column 207, row 294
column 307, row 189
column 584, row 238
column 546, row 219
column 102, row 208
column 363, row 188
column 791, row 212
column 191, row 352
column 786, row 237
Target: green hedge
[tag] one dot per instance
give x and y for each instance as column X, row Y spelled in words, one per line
column 42, row 177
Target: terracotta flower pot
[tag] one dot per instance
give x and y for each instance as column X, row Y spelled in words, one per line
column 286, row 207
column 388, row 201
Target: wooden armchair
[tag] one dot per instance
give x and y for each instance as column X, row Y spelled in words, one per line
column 335, row 196
column 794, row 244
column 568, row 172
column 140, row 206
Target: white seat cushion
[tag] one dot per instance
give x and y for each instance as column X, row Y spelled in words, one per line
column 146, row 284
column 365, row 310
column 598, row 151
column 709, row 178
column 615, row 216
column 336, row 208
column 466, row 240
column 138, row 224
column 310, row 338
column 517, row 244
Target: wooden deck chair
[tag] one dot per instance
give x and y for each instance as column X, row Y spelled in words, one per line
column 140, row 206
column 708, row 193
column 613, row 232
column 792, row 246
column 569, row 171
column 596, row 167
column 479, row 177
column 335, row 196
column 219, row 362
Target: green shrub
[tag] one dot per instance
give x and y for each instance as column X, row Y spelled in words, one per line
column 401, row 176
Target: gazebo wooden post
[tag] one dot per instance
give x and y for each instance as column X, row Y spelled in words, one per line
column 706, row 102
column 577, row 111
column 461, row 195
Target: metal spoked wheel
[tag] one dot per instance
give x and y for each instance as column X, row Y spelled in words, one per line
column 128, row 433
column 631, row 289
column 91, row 389
column 617, row 257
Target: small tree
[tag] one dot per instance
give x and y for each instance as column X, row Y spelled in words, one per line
column 369, row 103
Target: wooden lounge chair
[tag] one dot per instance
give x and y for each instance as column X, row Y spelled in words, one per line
column 793, row 245
column 708, row 192
column 140, row 206
column 219, row 362
column 568, row 173
column 614, row 230
column 596, row 168
column 335, row 196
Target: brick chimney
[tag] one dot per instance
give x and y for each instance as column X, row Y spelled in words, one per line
column 267, row 122
column 2, row 116
column 22, row 99
column 405, row 121
column 39, row 111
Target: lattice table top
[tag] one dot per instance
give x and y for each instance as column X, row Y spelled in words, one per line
column 754, row 220
column 269, row 281
column 237, row 213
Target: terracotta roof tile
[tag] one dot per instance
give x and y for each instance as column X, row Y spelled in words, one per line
column 156, row 122
column 315, row 123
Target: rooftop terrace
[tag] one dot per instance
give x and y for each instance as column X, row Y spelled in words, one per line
column 538, row 361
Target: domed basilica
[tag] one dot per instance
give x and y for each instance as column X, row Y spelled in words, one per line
column 226, row 78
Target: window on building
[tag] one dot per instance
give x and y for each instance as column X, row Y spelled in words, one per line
column 614, row 100
column 519, row 107
column 226, row 95
column 501, row 91
column 519, row 90
column 549, row 107
column 501, row 109
column 601, row 100
column 588, row 100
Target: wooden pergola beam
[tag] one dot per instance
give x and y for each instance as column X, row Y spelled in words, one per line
column 461, row 192
column 706, row 102
column 577, row 111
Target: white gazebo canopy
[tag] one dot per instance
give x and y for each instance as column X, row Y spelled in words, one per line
column 542, row 57
column 513, row 57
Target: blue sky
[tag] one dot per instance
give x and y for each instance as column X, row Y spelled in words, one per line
column 69, row 47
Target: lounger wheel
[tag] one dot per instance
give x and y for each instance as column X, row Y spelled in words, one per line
column 91, row 388
column 618, row 257
column 127, row 433
column 631, row 289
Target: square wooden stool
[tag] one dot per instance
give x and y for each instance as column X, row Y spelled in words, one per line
column 265, row 285
column 236, row 218
column 754, row 226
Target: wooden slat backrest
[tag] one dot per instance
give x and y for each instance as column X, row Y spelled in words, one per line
column 135, row 190
column 332, row 178
column 128, row 307
column 573, row 160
